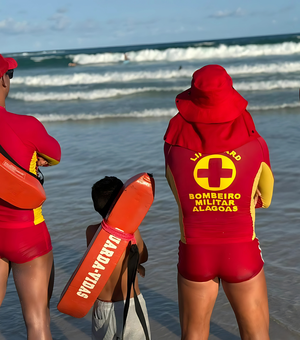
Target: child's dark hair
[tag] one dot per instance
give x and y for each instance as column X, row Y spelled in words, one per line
column 104, row 192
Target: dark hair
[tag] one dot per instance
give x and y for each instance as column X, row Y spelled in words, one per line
column 104, row 193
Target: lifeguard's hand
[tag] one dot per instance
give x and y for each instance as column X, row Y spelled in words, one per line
column 257, row 194
column 41, row 161
column 141, row 270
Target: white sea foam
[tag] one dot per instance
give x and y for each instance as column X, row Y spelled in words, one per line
column 54, row 117
column 99, row 58
column 40, row 59
column 271, row 68
column 267, row 85
column 84, row 79
column 191, row 53
column 275, row 107
column 96, row 78
column 84, row 95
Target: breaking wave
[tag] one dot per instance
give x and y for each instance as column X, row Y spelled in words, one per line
column 81, row 95
column 191, row 53
column 119, row 77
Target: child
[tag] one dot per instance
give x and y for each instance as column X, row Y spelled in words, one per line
column 107, row 321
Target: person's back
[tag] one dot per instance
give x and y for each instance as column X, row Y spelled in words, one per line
column 25, row 243
column 223, row 183
column 218, row 168
column 116, row 287
column 109, row 307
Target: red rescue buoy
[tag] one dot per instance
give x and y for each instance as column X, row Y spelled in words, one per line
column 105, row 250
column 19, row 187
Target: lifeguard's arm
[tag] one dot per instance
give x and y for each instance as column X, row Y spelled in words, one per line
column 41, row 161
column 46, row 146
column 167, row 148
column 266, row 180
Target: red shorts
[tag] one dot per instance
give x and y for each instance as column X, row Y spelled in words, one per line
column 231, row 262
column 20, row 245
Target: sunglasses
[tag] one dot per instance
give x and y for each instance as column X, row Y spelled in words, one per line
column 10, row 73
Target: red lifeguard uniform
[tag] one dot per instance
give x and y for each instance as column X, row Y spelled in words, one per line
column 23, row 233
column 215, row 161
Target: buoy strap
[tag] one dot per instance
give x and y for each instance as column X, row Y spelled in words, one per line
column 118, row 233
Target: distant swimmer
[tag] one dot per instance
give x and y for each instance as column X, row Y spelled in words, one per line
column 126, row 59
column 180, row 67
column 72, row 64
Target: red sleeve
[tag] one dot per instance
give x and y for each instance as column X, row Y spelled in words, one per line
column 265, row 151
column 45, row 145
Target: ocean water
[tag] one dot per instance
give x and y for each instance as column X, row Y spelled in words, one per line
column 110, row 117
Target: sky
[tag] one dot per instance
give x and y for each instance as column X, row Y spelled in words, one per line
column 37, row 25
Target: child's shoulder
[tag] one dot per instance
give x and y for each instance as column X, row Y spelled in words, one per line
column 93, row 226
column 91, row 231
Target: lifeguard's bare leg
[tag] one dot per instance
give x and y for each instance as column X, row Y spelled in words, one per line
column 4, row 271
column 51, row 283
column 196, row 302
column 32, row 283
column 249, row 301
